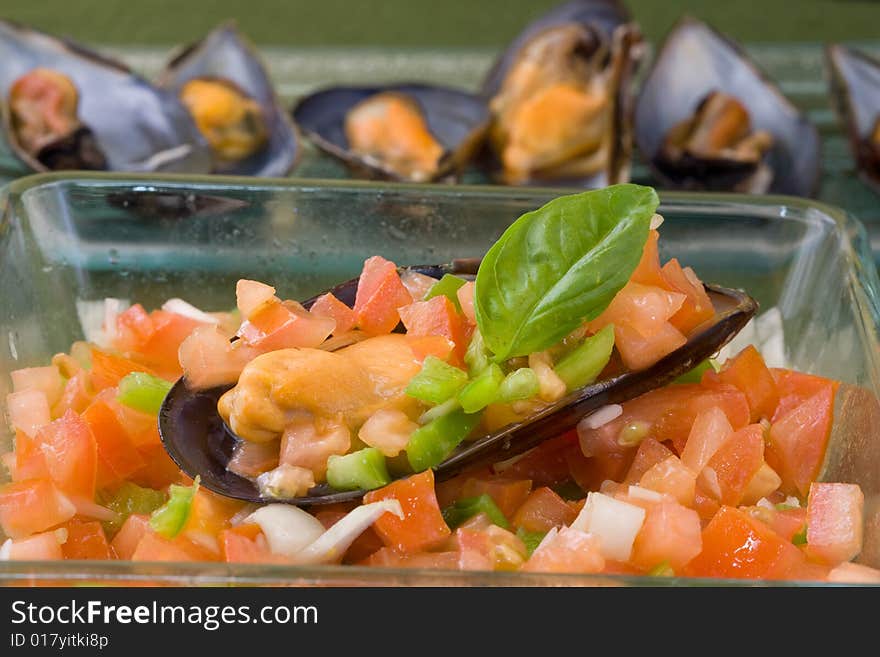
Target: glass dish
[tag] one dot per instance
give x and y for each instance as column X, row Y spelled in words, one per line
column 68, row 238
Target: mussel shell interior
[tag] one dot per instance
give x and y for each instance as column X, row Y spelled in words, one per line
column 855, row 78
column 454, row 117
column 696, row 60
column 224, row 53
column 137, row 126
column 603, row 15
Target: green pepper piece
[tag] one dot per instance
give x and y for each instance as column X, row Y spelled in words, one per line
column 364, row 469
column 448, row 287
column 462, row 510
column 587, row 360
column 519, row 384
column 170, row 518
column 476, row 357
column 433, row 442
column 129, row 498
column 436, row 381
column 531, row 539
column 483, row 390
column 143, row 392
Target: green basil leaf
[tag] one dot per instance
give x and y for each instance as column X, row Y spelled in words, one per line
column 559, row 266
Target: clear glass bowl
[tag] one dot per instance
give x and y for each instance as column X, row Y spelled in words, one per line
column 67, row 238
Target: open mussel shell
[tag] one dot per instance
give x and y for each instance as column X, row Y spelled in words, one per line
column 457, row 120
column 198, row 440
column 136, row 126
column 694, row 61
column 855, row 91
column 600, row 54
column 226, row 55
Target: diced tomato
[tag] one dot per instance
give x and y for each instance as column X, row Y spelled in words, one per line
column 436, row 316
column 705, row 505
column 28, row 410
column 118, row 457
column 31, row 506
column 489, row 548
column 676, row 426
column 71, row 455
column 153, row 547
column 251, row 295
column 734, row 463
column 108, row 369
column 570, row 551
column 834, row 522
column 76, row 396
column 134, row 327
column 671, row 477
column 735, row 545
column 284, row 325
column 670, row 533
column 422, row 525
column 798, row 439
column 210, row 513
column 785, row 522
column 246, row 544
column 545, row 465
column 39, row 547
column 390, row 558
column 508, row 494
column 465, row 296
column 417, row 284
column 159, row 470
column 650, row 453
column 47, row 380
column 543, row 511
column 648, row 271
column 85, row 540
column 748, row 373
column 253, row 459
column 209, row 359
column 160, row 351
column 328, row 305
column 380, row 293
column 710, row 429
column 431, row 345
column 797, row 387
column 29, row 460
column 590, row 472
column 697, row 306
column 129, row 535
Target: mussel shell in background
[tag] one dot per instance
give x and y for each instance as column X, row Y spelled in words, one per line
column 225, row 53
column 612, row 20
column 695, row 60
column 138, row 127
column 855, row 91
column 458, row 120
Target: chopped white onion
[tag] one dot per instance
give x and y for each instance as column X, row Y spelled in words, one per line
column 332, row 544
column 613, row 522
column 181, row 307
column 601, row 417
column 6, row 550
column 764, row 503
column 656, row 221
column 97, row 319
column 288, row 529
column 61, row 535
column 640, row 493
column 792, row 501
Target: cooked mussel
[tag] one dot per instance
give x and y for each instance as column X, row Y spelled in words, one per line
column 225, row 86
column 198, row 440
column 707, row 119
column 561, row 97
column 855, row 90
column 407, row 132
column 65, row 107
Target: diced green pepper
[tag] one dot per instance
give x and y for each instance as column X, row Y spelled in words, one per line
column 439, row 411
column 463, row 510
column 696, row 374
column 170, row 518
column 364, row 469
column 483, row 390
column 531, row 539
column 476, row 357
column 587, row 360
column 448, row 287
column 130, row 498
column 143, row 392
column 801, row 537
column 436, row 381
column 433, row 442
column 519, row 384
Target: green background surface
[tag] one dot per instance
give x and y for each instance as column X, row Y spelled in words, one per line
column 410, row 23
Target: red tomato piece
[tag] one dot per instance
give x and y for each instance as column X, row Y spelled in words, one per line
column 671, row 477
column 251, row 295
column 747, row 372
column 46, row 379
column 677, row 424
column 465, row 296
column 380, row 293
column 697, row 306
column 648, row 271
column 39, row 547
column 728, row 473
column 797, row 387
column 85, row 540
column 31, row 506
column 650, row 453
column 569, row 551
column 735, row 545
column 283, row 325
column 76, row 396
column 246, row 544
column 134, row 327
column 670, row 533
column 390, row 558
column 29, row 460
column 422, row 525
column 129, row 535
column 834, row 522
column 28, row 410
column 545, row 465
column 436, row 316
column 153, row 547
column 542, row 511
column 160, row 351
column 328, row 305
column 797, row 443
column 71, row 454
column 118, row 457
column 109, row 369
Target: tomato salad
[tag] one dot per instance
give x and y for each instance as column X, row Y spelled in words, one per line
column 714, row 475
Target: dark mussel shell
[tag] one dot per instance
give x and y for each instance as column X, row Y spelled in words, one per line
column 613, row 47
column 198, row 440
column 694, row 61
column 225, row 54
column 457, row 119
column 127, row 123
column 855, row 91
